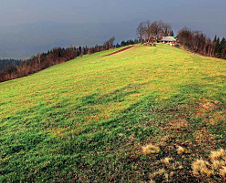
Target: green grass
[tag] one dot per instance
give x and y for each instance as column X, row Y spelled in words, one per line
column 86, row 120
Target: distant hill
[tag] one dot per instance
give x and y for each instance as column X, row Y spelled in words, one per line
column 147, row 114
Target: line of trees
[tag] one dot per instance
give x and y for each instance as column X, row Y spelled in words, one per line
column 53, row 57
column 6, row 62
column 128, row 42
column 198, row 42
column 149, row 32
column 220, row 47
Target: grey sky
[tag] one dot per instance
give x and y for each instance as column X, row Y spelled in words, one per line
column 46, row 19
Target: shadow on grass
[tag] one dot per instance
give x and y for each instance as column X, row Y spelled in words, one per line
column 104, row 151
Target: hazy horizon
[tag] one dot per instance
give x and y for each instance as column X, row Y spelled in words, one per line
column 29, row 27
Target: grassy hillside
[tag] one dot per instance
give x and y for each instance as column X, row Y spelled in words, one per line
column 146, row 114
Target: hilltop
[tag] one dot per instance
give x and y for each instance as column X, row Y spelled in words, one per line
column 144, row 114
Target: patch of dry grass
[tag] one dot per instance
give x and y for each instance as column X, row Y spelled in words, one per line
column 167, row 168
column 204, row 136
column 167, row 160
column 179, row 124
column 181, row 150
column 210, row 106
column 205, row 107
column 160, row 172
column 218, row 117
column 219, row 154
column 216, row 166
column 150, row 149
column 201, row 167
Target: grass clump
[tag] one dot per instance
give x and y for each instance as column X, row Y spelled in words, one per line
column 216, row 166
column 181, row 150
column 201, row 167
column 167, row 170
column 150, row 149
column 167, row 160
column 222, row 171
column 219, row 154
column 218, row 159
column 159, row 174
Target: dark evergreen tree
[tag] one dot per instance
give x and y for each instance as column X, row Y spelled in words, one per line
column 117, row 45
column 136, row 41
column 215, row 39
column 171, row 33
column 222, row 45
column 123, row 43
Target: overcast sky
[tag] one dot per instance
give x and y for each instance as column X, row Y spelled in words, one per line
column 33, row 25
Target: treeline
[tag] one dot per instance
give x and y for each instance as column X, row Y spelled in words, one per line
column 220, row 47
column 128, row 42
column 6, row 62
column 150, row 32
column 53, row 57
column 198, row 42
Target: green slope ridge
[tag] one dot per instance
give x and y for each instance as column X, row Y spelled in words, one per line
column 87, row 120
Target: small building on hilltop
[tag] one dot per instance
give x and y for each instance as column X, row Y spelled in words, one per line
column 169, row 40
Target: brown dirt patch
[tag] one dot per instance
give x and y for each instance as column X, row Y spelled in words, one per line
column 214, row 120
column 210, row 106
column 120, row 51
column 180, row 124
column 206, row 107
column 204, row 136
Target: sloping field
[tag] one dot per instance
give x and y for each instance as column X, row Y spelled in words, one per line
column 149, row 114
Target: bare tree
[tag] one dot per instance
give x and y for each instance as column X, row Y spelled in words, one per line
column 144, row 31
column 167, row 29
column 209, row 48
column 199, row 42
column 140, row 31
column 39, row 58
column 185, row 37
column 196, row 41
column 147, row 30
column 109, row 43
column 152, row 31
column 156, row 28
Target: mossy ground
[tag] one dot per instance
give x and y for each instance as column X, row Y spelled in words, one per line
column 87, row 120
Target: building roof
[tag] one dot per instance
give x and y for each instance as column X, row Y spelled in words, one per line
column 168, row 38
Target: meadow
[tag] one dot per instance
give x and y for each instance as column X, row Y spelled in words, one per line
column 148, row 114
